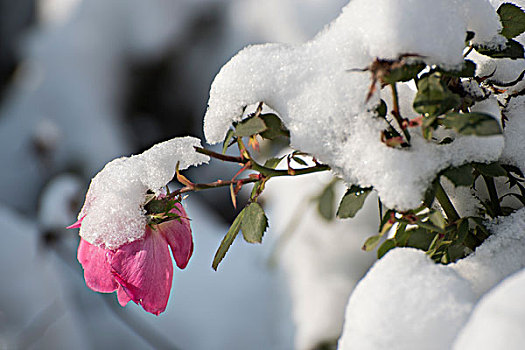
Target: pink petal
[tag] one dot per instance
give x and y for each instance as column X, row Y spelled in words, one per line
column 77, row 224
column 178, row 235
column 145, row 271
column 97, row 271
column 122, row 296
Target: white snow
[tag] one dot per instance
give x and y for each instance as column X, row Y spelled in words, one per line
column 113, row 213
column 321, row 260
column 406, row 301
column 323, row 105
column 497, row 321
column 514, row 151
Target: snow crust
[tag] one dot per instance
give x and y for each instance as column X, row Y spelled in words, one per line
column 497, row 321
column 406, row 301
column 323, row 105
column 113, row 213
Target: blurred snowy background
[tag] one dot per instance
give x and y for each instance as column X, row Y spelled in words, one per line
column 85, row 81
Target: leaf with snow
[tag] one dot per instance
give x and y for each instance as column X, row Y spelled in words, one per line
column 433, row 96
column 513, row 50
column 479, row 124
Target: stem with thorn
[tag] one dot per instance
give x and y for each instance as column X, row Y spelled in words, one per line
column 397, row 114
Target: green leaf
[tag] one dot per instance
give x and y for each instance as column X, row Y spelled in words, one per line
column 254, row 223
column 250, row 126
column 492, row 169
column 467, row 71
column 420, row 238
column 512, row 50
column 352, row 201
column 512, row 18
column 227, row 240
column 385, row 247
column 479, row 124
column 433, row 96
column 402, row 235
column 430, row 194
column 460, row 176
column 371, row 243
column 456, row 252
column 381, row 109
column 274, row 127
column 227, row 140
column 299, row 161
column 463, row 228
column 404, row 73
column 437, row 219
column 273, row 162
column 326, row 202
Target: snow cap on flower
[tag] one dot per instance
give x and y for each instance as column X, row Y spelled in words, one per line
column 112, row 214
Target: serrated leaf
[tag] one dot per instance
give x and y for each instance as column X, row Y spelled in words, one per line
column 352, row 201
column 227, row 240
column 460, row 176
column 479, row 124
column 254, row 223
column 405, row 72
column 512, row 50
column 512, row 19
column 371, row 243
column 227, row 139
column 385, row 247
column 326, row 202
column 467, row 71
column 433, row 96
column 437, row 219
column 274, row 127
column 250, row 126
column 492, row 169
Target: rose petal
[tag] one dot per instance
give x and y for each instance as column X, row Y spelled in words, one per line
column 145, row 271
column 97, row 271
column 122, row 296
column 178, row 235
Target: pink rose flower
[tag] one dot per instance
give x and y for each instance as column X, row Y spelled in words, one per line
column 142, row 270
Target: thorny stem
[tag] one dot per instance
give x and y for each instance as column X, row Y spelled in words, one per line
column 397, row 114
column 249, row 164
column 493, row 194
column 220, row 156
column 445, row 203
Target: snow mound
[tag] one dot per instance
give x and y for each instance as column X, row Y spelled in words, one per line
column 405, row 301
column 113, row 213
column 323, row 104
column 497, row 321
